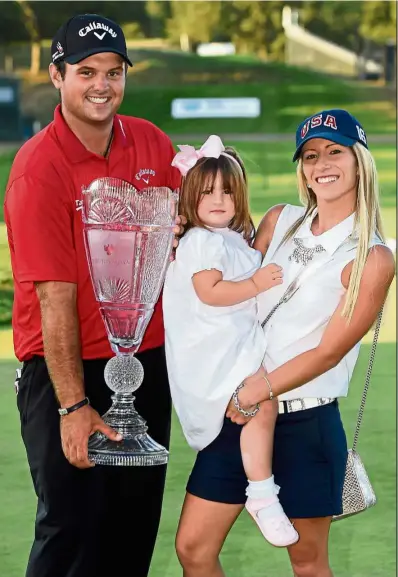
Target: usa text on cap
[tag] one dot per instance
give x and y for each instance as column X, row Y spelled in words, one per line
column 336, row 125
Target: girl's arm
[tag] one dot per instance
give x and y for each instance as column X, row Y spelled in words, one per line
column 339, row 338
column 212, row 290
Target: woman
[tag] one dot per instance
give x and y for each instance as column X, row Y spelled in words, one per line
column 312, row 347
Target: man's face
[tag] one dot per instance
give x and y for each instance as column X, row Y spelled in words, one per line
column 93, row 89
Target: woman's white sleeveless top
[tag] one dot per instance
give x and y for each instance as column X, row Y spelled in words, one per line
column 298, row 324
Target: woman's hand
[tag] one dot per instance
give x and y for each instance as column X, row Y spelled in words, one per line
column 254, row 387
column 235, row 416
column 255, row 390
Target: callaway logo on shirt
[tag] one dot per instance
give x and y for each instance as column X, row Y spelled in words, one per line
column 145, row 174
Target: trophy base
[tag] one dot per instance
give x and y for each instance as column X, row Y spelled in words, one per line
column 138, row 451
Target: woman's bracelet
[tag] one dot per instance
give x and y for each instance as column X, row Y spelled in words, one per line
column 237, row 404
column 271, row 394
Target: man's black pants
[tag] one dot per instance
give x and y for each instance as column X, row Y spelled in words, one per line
column 99, row 522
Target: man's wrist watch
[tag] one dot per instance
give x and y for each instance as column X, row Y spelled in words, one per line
column 66, row 410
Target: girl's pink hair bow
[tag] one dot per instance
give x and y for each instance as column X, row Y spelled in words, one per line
column 189, row 156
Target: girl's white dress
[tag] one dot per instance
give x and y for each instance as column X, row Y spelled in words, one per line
column 209, row 350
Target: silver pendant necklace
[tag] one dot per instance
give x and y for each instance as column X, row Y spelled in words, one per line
column 302, row 254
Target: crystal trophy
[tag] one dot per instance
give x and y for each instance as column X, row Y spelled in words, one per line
column 128, row 235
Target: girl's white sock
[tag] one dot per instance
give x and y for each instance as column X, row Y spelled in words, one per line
column 266, row 490
column 262, row 489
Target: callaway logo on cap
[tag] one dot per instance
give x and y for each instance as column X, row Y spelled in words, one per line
column 87, row 34
column 336, row 125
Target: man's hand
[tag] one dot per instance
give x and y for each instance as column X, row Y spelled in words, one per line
column 76, row 429
column 178, row 230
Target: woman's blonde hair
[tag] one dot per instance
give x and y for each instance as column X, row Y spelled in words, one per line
column 202, row 176
column 367, row 216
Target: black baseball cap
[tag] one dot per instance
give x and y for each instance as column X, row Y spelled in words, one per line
column 337, row 125
column 87, row 34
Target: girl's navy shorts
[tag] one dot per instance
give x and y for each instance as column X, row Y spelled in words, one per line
column 309, row 462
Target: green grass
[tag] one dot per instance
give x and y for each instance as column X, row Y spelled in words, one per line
column 360, row 547
column 283, row 106
column 287, row 94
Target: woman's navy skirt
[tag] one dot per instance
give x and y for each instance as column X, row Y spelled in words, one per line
column 309, row 462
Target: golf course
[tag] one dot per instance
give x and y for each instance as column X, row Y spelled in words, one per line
column 361, row 546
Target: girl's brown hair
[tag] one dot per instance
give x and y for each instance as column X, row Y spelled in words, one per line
column 202, row 176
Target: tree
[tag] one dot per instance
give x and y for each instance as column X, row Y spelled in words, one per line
column 31, row 25
column 338, row 22
column 192, row 22
column 159, row 13
column 11, row 25
column 379, row 21
column 255, row 27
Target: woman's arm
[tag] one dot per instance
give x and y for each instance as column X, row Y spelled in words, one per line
column 339, row 338
column 266, row 228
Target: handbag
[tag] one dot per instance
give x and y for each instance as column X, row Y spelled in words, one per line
column 358, row 493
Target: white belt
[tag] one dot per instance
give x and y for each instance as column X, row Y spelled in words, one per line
column 294, row 405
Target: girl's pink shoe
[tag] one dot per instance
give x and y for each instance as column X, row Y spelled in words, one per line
column 277, row 529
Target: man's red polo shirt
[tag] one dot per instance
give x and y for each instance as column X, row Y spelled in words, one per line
column 44, row 223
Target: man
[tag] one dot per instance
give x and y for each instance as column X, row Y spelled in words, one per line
column 91, row 521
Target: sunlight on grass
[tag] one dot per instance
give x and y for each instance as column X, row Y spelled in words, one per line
column 6, row 345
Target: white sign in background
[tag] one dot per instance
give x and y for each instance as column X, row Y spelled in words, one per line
column 6, row 94
column 216, row 49
column 215, row 108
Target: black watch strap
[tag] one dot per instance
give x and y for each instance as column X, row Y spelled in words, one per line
column 67, row 410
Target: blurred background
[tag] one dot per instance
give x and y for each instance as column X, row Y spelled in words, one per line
column 250, row 72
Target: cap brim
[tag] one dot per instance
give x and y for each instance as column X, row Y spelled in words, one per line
column 76, row 58
column 337, row 138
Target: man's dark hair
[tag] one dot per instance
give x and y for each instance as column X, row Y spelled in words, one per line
column 61, row 68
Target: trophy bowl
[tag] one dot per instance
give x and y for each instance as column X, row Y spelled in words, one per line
column 128, row 236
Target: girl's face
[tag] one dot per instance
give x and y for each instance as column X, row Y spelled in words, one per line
column 216, row 207
column 330, row 169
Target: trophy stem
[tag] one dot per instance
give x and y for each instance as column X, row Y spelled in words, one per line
column 123, row 417
column 124, row 373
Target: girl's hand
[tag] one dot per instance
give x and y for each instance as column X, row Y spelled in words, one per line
column 268, row 277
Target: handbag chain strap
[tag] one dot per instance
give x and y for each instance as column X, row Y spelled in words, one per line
column 367, row 378
column 272, row 311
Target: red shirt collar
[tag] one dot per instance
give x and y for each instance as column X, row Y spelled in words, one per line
column 73, row 147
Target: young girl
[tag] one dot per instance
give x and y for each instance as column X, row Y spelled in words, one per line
column 213, row 338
